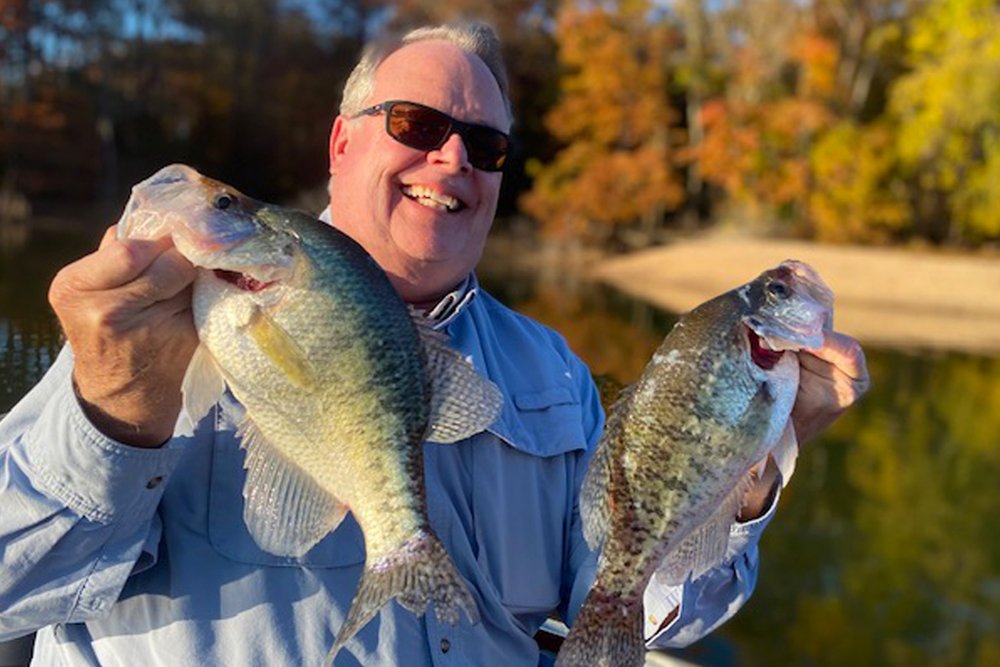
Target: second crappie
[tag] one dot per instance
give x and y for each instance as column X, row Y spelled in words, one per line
column 340, row 381
column 673, row 465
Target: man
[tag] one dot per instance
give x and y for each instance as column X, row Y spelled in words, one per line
column 124, row 545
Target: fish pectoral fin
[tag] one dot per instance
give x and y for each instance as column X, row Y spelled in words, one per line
column 283, row 351
column 786, row 452
column 463, row 402
column 285, row 510
column 202, row 387
column 705, row 547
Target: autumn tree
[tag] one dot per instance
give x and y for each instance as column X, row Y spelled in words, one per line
column 948, row 108
column 615, row 170
column 758, row 132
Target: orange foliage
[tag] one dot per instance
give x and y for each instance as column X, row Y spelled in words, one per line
column 757, row 141
column 614, row 120
column 760, row 152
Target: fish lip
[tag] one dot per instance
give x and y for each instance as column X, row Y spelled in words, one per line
column 790, row 339
column 761, row 354
column 438, row 189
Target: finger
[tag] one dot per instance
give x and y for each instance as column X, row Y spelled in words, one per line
column 823, row 378
column 173, row 312
column 844, row 353
column 166, row 276
column 114, row 264
column 110, row 234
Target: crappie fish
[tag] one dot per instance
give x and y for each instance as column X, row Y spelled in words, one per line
column 340, row 381
column 672, row 467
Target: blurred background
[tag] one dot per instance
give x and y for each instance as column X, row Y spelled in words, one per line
column 640, row 124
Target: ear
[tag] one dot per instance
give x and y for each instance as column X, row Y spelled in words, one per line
column 338, row 143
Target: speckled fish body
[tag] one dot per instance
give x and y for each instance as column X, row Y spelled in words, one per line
column 672, row 467
column 341, row 384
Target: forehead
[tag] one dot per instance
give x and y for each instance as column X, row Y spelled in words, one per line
column 441, row 75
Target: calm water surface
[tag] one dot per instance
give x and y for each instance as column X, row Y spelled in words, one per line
column 885, row 550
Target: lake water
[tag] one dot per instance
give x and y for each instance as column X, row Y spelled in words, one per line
column 885, row 549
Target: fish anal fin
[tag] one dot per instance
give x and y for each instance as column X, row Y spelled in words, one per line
column 285, row 510
column 202, row 387
column 463, row 402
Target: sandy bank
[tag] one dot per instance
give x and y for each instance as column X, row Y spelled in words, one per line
column 891, row 297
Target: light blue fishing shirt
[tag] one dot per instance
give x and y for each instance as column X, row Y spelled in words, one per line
column 125, row 556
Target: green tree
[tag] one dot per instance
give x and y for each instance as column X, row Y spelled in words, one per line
column 858, row 194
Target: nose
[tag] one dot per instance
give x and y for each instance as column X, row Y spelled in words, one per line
column 452, row 155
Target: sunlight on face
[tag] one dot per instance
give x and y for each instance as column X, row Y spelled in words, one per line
column 423, row 215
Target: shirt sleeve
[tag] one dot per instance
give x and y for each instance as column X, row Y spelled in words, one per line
column 77, row 509
column 713, row 598
column 703, row 604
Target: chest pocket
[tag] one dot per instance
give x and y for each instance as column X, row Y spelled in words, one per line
column 227, row 531
column 523, row 494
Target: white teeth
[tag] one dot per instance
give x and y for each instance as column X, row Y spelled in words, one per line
column 430, row 198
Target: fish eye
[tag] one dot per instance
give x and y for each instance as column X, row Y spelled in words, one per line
column 778, row 289
column 223, row 201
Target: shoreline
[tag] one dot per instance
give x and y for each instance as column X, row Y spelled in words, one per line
column 908, row 299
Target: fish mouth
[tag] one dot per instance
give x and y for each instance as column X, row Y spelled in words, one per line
column 760, row 352
column 242, row 281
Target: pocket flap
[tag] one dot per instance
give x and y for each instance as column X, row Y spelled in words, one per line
column 539, row 400
column 548, row 422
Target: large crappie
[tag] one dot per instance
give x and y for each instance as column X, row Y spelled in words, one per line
column 340, row 381
column 672, row 467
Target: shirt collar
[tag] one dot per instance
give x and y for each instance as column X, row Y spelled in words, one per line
column 451, row 304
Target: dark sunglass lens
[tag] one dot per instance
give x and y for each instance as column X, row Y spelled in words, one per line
column 487, row 148
column 418, row 127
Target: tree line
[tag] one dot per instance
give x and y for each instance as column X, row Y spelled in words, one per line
column 870, row 121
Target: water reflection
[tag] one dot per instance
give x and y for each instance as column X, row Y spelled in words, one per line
column 884, row 551
column 29, row 333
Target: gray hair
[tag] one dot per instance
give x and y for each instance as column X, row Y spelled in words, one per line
column 478, row 39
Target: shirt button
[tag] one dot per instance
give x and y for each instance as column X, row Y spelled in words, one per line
column 445, row 645
column 154, row 482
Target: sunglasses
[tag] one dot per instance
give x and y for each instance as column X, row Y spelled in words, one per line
column 427, row 129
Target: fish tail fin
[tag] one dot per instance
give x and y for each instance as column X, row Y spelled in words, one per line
column 606, row 633
column 416, row 574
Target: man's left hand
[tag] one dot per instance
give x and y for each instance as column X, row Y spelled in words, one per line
column 831, row 379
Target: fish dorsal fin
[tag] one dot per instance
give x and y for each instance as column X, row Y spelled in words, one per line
column 705, row 547
column 595, row 510
column 595, row 507
column 786, row 452
column 202, row 387
column 463, row 402
column 283, row 351
column 285, row 510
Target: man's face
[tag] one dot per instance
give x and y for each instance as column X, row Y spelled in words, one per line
column 423, row 215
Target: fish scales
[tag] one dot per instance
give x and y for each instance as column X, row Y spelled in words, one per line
column 672, row 466
column 340, row 382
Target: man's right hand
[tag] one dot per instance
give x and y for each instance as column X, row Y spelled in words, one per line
column 126, row 311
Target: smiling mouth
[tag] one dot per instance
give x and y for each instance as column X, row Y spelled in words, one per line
column 431, row 199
